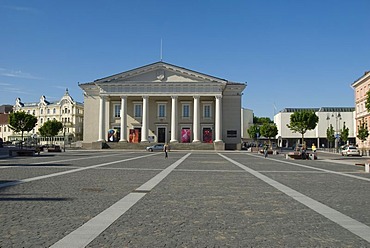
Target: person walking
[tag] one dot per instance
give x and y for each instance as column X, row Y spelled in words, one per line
column 265, row 150
column 313, row 148
column 165, row 149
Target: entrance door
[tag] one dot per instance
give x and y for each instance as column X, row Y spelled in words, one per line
column 207, row 135
column 161, row 135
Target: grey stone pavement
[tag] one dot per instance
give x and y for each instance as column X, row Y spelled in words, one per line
column 192, row 199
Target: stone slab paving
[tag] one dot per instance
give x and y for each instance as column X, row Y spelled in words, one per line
column 206, row 201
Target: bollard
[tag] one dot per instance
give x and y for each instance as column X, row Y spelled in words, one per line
column 367, row 168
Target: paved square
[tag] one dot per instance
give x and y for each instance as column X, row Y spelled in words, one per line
column 192, row 199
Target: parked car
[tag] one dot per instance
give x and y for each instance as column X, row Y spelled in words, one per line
column 350, row 151
column 157, row 147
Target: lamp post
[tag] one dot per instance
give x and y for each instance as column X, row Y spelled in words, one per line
column 64, row 138
column 338, row 117
column 328, row 119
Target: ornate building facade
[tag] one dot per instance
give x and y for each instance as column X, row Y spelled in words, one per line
column 361, row 86
column 163, row 103
column 66, row 110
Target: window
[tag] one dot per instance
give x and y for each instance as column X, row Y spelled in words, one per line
column 65, row 110
column 48, row 111
column 54, row 111
column 117, row 110
column 207, row 111
column 138, row 110
column 28, row 111
column 185, row 110
column 41, row 120
column 33, row 112
column 162, row 110
column 41, row 111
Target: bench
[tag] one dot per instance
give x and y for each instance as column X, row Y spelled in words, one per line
column 21, row 152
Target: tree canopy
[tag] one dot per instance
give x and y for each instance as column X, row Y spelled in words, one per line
column 21, row 122
column 253, row 131
column 50, row 128
column 269, row 130
column 330, row 135
column 344, row 133
column 363, row 132
column 302, row 121
column 261, row 120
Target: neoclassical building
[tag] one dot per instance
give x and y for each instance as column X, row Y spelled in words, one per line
column 161, row 102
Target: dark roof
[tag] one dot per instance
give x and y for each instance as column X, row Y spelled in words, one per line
column 322, row 109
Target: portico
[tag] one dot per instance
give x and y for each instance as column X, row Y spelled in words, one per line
column 162, row 103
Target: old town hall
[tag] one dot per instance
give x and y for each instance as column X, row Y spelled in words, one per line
column 163, row 103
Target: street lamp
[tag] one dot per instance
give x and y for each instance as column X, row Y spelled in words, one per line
column 328, row 119
column 64, row 138
column 338, row 117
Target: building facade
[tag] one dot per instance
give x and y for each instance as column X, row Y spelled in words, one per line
column 66, row 110
column 335, row 116
column 163, row 103
column 361, row 86
column 5, row 131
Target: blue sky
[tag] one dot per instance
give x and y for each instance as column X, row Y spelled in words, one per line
column 292, row 53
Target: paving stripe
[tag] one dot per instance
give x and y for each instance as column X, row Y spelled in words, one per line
column 313, row 168
column 345, row 221
column 13, row 183
column 83, row 235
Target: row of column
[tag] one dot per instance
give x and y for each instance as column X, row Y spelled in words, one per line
column 174, row 122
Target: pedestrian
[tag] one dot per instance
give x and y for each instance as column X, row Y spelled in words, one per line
column 265, row 150
column 313, row 148
column 165, row 149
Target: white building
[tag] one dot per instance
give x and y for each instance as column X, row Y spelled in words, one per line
column 335, row 116
column 66, row 110
column 247, row 122
column 162, row 103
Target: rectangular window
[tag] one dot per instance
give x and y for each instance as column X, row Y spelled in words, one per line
column 162, row 110
column 207, row 111
column 138, row 110
column 185, row 110
column 117, row 110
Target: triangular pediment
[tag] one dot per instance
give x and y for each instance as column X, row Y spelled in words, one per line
column 160, row 72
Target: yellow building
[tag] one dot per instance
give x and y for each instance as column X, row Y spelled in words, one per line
column 66, row 110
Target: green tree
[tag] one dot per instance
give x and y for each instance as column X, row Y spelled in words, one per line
column 302, row 121
column 261, row 120
column 330, row 135
column 50, row 128
column 363, row 132
column 344, row 133
column 21, row 122
column 269, row 130
column 253, row 131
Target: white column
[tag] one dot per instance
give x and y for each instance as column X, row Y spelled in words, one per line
column 174, row 119
column 196, row 120
column 144, row 126
column 101, row 118
column 123, row 136
column 218, row 119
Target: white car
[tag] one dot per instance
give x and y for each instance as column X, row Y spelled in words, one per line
column 350, row 151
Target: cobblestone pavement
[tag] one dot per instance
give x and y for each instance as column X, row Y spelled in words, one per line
column 207, row 199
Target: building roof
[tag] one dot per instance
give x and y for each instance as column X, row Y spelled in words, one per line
column 322, row 109
column 4, row 119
